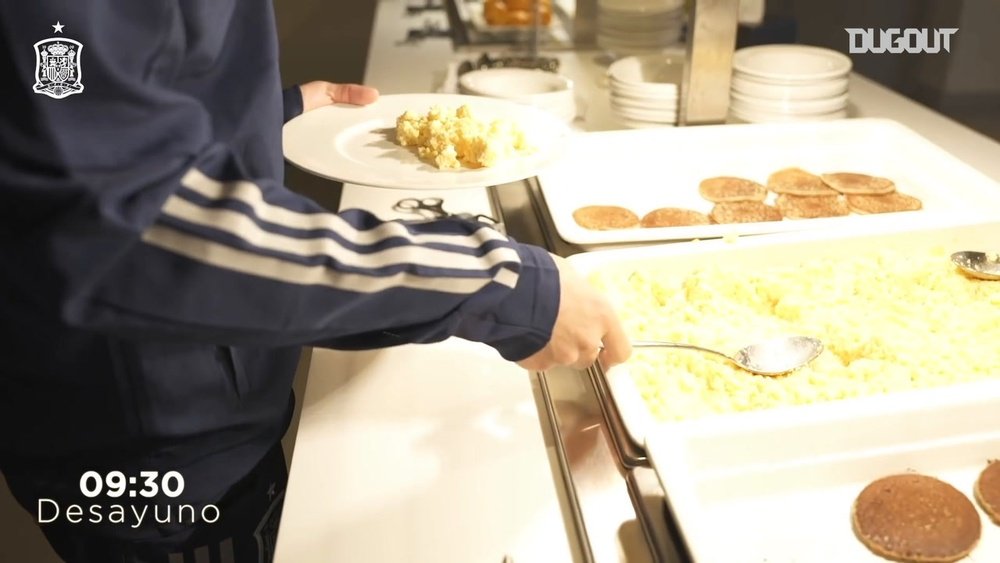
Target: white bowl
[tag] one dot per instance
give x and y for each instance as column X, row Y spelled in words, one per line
column 766, row 117
column 654, row 72
column 546, row 90
column 513, row 83
column 804, row 91
column 791, row 63
column 797, row 107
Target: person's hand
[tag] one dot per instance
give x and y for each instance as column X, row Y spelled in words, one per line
column 585, row 322
column 320, row 93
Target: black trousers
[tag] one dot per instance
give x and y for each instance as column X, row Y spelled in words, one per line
column 246, row 531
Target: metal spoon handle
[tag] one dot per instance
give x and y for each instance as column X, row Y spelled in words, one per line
column 663, row 344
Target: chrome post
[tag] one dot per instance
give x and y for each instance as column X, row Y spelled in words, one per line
column 711, row 40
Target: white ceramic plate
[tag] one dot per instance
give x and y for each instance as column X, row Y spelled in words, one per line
column 793, row 107
column 805, row 91
column 356, row 144
column 791, row 63
column 662, row 104
column 639, row 114
column 662, row 93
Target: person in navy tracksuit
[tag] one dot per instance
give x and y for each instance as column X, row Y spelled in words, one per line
column 157, row 280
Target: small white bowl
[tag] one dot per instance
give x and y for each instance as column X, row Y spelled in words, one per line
column 796, row 107
column 655, row 72
column 805, row 91
column 513, row 83
column 791, row 63
column 546, row 90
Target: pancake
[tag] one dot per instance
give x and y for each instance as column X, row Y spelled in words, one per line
column 987, row 490
column 797, row 181
column 916, row 518
column 673, row 217
column 743, row 212
column 811, row 207
column 884, row 203
column 605, row 217
column 729, row 188
column 851, row 183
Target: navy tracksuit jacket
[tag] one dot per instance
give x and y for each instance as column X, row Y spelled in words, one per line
column 157, row 279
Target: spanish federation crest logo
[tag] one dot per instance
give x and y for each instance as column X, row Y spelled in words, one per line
column 57, row 66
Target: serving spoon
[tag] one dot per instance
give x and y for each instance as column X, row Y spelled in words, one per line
column 982, row 265
column 770, row 357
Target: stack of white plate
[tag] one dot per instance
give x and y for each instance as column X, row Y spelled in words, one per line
column 546, row 90
column 644, row 89
column 789, row 83
column 629, row 27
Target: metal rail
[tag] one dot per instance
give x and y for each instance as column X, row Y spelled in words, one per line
column 618, row 506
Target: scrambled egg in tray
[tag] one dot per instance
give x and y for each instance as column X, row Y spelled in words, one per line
column 890, row 321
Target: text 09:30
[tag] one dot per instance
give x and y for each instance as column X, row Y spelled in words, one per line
column 148, row 484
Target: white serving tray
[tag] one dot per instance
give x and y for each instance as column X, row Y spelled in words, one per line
column 645, row 169
column 777, row 486
column 774, row 250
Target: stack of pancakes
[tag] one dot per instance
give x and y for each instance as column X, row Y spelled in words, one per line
column 800, row 195
column 803, row 195
column 737, row 200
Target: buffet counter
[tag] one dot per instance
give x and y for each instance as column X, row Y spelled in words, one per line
column 445, row 452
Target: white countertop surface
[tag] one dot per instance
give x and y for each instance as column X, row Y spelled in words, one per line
column 436, row 453
column 420, row 453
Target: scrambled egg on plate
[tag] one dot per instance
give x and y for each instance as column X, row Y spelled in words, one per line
column 453, row 137
column 889, row 321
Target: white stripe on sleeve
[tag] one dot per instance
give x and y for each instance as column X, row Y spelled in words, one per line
column 250, row 194
column 224, row 256
column 240, row 225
